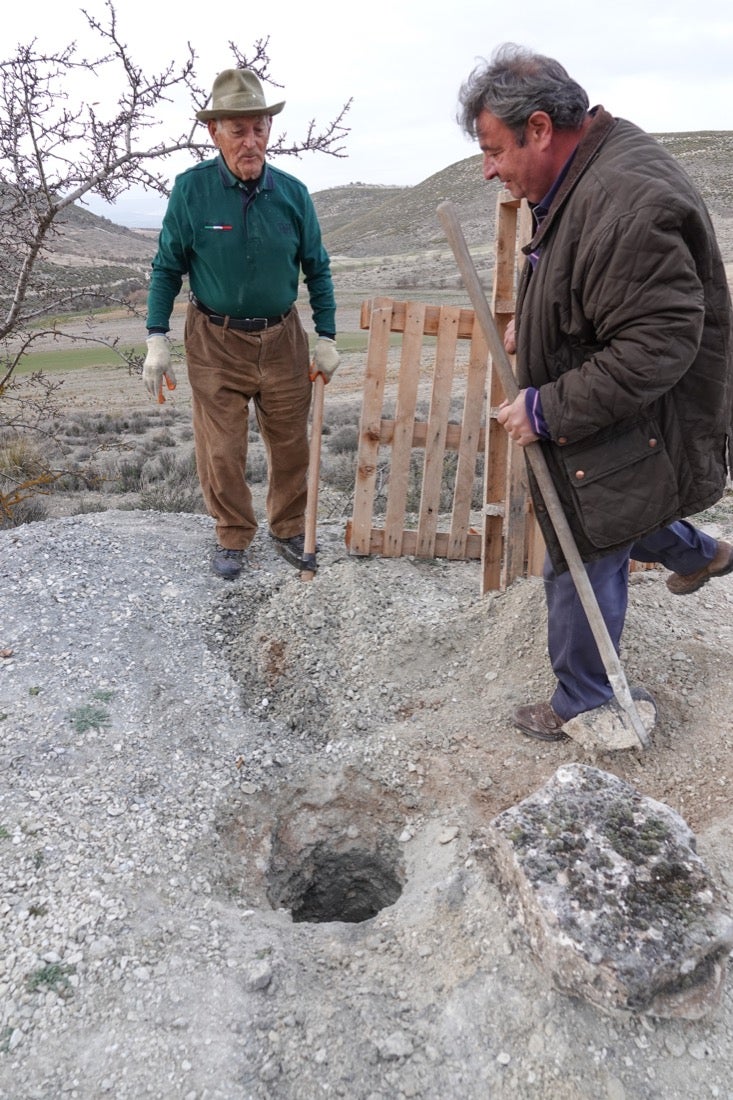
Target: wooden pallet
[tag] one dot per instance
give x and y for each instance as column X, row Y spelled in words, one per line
column 404, row 433
column 504, row 537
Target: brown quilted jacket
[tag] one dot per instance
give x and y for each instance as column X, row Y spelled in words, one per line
column 626, row 328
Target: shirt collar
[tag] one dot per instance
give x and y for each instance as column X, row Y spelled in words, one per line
column 542, row 208
column 265, row 182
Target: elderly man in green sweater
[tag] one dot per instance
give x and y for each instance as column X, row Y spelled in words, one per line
column 243, row 232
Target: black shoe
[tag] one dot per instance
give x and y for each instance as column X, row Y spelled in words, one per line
column 291, row 549
column 227, row 563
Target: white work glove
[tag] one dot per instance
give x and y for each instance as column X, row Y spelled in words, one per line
column 325, row 358
column 157, row 366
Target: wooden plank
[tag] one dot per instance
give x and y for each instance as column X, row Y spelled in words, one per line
column 431, row 323
column 403, row 428
column 493, row 521
column 507, row 550
column 525, row 232
column 535, row 539
column 473, row 410
column 497, row 444
column 496, row 461
column 515, row 516
column 369, row 429
column 409, row 543
column 505, row 253
column 453, row 434
column 445, row 355
column 535, row 544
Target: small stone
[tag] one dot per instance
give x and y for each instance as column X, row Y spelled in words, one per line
column 258, row 976
column 101, row 948
column 395, row 1046
column 676, row 1045
column 270, row 1071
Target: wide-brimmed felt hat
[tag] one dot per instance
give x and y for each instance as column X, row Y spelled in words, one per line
column 237, row 92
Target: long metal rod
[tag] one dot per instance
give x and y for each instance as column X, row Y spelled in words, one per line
column 308, row 564
column 536, row 459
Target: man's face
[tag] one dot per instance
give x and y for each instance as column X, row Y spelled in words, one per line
column 525, row 170
column 243, row 143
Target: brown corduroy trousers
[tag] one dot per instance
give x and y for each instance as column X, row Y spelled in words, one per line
column 227, row 368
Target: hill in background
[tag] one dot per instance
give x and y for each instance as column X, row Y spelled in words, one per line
column 88, row 240
column 405, row 220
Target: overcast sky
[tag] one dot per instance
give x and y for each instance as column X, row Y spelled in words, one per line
column 665, row 64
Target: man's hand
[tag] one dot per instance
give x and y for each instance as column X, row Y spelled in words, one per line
column 325, row 358
column 157, row 366
column 513, row 416
column 510, row 338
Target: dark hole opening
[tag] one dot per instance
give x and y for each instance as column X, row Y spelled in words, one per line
column 347, row 886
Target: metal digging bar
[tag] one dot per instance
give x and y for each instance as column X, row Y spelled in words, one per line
column 536, row 459
column 308, row 564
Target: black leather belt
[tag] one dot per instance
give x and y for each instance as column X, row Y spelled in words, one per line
column 243, row 324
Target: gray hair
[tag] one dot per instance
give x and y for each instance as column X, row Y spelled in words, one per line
column 515, row 84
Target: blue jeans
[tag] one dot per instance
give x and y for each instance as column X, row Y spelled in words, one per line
column 581, row 678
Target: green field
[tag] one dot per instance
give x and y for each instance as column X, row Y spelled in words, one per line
column 58, row 362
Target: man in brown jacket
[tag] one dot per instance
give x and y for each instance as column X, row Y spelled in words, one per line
column 624, row 343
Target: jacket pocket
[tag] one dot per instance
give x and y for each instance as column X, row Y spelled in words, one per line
column 623, row 484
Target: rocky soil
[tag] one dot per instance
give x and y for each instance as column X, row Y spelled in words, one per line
column 237, row 821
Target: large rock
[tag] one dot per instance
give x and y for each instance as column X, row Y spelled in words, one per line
column 608, row 728
column 618, row 906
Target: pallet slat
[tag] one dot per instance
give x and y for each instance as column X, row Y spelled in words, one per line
column 403, row 427
column 454, row 434
column 471, row 439
column 432, row 317
column 409, row 543
column 369, row 428
column 445, row 357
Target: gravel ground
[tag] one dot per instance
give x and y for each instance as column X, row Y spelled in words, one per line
column 181, row 759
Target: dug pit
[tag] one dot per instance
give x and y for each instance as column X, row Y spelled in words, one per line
column 323, row 885
column 327, row 850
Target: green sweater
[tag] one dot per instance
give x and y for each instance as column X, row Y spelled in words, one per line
column 243, row 254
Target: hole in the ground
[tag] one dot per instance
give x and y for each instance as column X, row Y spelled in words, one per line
column 350, row 886
column 325, row 849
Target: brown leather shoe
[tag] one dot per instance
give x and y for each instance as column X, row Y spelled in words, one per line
column 681, row 584
column 539, row 720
